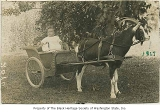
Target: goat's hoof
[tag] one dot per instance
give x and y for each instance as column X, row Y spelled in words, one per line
column 113, row 96
column 79, row 90
column 118, row 93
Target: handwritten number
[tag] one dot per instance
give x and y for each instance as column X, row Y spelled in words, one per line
column 149, row 53
column 154, row 53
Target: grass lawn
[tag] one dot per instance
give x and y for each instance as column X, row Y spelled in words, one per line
column 138, row 82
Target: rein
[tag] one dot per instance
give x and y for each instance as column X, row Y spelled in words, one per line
column 110, row 44
column 89, row 47
column 123, row 45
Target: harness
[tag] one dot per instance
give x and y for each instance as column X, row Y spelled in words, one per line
column 81, row 53
column 112, row 44
column 84, row 50
column 110, row 54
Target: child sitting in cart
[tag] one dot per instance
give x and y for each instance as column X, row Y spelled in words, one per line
column 51, row 42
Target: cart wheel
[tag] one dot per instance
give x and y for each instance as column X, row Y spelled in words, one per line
column 35, row 72
column 68, row 76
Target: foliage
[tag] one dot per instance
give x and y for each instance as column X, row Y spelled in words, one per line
column 10, row 11
column 72, row 20
column 17, row 8
column 25, row 6
column 75, row 20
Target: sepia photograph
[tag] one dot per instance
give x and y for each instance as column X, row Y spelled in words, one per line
column 80, row 52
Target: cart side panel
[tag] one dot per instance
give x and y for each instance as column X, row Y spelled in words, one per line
column 32, row 53
column 65, row 58
column 48, row 59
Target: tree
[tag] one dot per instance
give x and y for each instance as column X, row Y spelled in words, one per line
column 96, row 17
column 18, row 25
column 17, row 8
column 74, row 20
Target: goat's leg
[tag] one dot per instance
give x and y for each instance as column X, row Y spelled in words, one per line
column 79, row 78
column 113, row 95
column 111, row 71
column 116, row 81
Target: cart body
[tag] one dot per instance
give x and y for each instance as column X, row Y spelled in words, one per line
column 49, row 63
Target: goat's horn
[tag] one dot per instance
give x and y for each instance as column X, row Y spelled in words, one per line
column 130, row 19
column 136, row 27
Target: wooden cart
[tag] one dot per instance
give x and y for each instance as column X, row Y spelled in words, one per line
column 43, row 64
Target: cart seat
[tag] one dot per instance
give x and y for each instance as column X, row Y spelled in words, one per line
column 50, row 58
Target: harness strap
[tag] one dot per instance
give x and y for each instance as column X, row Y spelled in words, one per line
column 84, row 50
column 111, row 47
column 114, row 57
column 99, row 48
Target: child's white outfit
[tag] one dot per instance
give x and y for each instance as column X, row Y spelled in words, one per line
column 51, row 43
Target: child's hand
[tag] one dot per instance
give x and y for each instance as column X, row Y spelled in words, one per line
column 60, row 42
column 46, row 43
column 39, row 43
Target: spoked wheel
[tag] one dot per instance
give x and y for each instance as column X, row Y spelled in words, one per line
column 68, row 76
column 35, row 72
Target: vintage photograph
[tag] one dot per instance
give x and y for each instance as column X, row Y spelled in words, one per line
column 80, row 52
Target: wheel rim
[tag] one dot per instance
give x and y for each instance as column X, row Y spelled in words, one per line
column 35, row 72
column 68, row 76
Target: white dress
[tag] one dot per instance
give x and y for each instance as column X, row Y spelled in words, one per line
column 51, row 43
